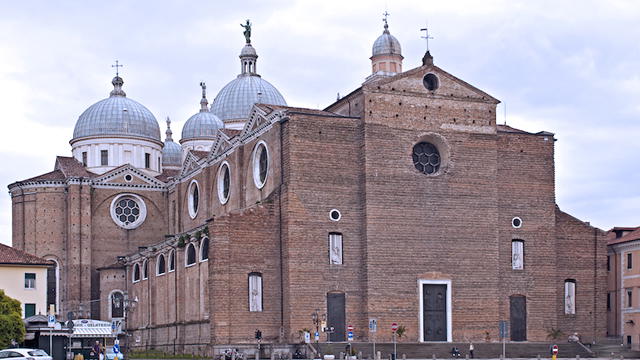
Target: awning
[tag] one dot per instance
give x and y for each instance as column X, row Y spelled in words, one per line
column 91, row 328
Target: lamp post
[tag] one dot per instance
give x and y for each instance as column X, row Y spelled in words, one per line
column 129, row 305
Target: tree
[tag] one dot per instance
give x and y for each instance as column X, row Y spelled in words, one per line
column 11, row 325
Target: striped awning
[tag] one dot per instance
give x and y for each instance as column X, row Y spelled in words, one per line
column 92, row 332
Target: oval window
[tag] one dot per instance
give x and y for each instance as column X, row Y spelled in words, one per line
column 260, row 164
column 224, row 182
column 194, row 198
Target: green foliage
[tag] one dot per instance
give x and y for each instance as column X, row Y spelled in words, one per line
column 198, row 235
column 401, row 331
column 554, row 334
column 182, row 241
column 11, row 325
column 206, row 230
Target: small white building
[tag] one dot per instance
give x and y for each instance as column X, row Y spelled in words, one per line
column 24, row 277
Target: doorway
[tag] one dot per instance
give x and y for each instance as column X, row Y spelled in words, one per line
column 336, row 316
column 518, row 317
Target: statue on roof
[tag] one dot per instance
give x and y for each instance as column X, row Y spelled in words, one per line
column 247, row 31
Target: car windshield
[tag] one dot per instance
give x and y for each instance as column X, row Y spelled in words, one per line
column 37, row 353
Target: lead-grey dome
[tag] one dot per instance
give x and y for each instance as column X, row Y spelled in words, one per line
column 204, row 124
column 171, row 152
column 117, row 115
column 386, row 44
column 201, row 125
column 235, row 100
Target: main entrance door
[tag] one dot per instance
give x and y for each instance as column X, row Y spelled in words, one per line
column 336, row 316
column 518, row 317
column 434, row 302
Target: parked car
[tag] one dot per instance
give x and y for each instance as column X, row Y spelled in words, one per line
column 110, row 355
column 24, row 354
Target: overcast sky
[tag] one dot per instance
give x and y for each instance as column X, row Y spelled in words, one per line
column 568, row 67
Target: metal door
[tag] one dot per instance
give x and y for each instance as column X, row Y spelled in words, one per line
column 434, row 300
column 518, row 317
column 336, row 316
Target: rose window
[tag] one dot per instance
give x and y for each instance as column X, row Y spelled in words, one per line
column 426, row 158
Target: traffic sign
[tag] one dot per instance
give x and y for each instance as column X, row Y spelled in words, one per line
column 350, row 328
column 373, row 325
column 317, row 336
column 51, row 321
column 504, row 329
column 307, row 337
column 394, row 327
column 555, row 349
column 350, row 336
column 116, row 348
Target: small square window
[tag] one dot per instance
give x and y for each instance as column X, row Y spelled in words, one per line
column 29, row 280
column 29, row 310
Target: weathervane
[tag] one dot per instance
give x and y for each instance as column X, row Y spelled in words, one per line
column 386, row 15
column 117, row 66
column 427, row 36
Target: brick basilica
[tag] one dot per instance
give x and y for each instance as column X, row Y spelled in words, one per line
column 403, row 201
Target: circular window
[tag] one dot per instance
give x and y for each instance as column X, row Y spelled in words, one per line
column 128, row 178
column 260, row 164
column 516, row 222
column 128, row 211
column 224, row 182
column 335, row 215
column 426, row 158
column 431, row 82
column 194, row 198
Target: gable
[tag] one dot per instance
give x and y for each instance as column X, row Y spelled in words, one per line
column 127, row 176
column 448, row 86
column 220, row 145
column 190, row 164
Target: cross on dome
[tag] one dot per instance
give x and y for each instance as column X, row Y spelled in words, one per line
column 386, row 25
column 117, row 66
column 426, row 36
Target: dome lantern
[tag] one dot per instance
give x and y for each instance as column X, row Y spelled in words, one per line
column 199, row 132
column 386, row 58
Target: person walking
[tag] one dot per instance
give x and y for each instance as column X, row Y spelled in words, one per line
column 471, row 350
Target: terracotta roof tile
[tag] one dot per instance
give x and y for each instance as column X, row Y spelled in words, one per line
column 200, row 154
column 634, row 235
column 13, row 256
column 167, row 174
column 71, row 167
column 52, row 175
column 231, row 132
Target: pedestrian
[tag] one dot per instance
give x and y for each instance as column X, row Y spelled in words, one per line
column 471, row 350
column 95, row 350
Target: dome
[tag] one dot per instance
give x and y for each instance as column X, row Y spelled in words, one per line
column 235, row 100
column 117, row 115
column 171, row 152
column 386, row 44
column 248, row 50
column 201, row 125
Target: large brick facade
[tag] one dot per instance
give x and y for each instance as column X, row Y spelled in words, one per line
column 402, row 230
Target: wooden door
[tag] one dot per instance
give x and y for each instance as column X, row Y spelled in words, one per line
column 518, row 317
column 434, row 300
column 336, row 316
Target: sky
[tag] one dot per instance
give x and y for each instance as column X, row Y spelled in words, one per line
column 568, row 67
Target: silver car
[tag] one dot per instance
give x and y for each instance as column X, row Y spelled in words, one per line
column 24, row 354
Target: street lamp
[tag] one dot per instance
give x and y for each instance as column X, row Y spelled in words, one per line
column 129, row 306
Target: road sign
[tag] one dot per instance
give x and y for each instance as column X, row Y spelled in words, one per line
column 116, row 348
column 317, row 336
column 350, row 328
column 373, row 325
column 394, row 327
column 350, row 336
column 504, row 329
column 51, row 321
column 554, row 350
column 307, row 337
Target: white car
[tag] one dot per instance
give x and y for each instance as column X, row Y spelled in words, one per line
column 110, row 355
column 24, row 354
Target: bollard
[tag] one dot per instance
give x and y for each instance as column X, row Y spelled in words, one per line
column 466, row 356
column 341, row 355
column 433, row 356
column 290, row 355
column 273, row 355
column 538, row 356
column 257, row 354
column 621, row 357
column 379, row 355
column 404, row 356
column 359, row 355
column 233, row 355
column 577, row 357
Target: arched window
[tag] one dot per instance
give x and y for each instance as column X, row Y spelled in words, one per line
column 136, row 272
column 172, row 260
column 53, row 279
column 570, row 296
column 517, row 254
column 255, row 291
column 145, row 270
column 190, row 259
column 204, row 249
column 117, row 304
column 161, row 266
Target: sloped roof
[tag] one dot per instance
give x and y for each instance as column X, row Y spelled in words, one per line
column 13, row 256
column 510, row 129
column 634, row 235
column 301, row 111
column 167, row 174
column 71, row 167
